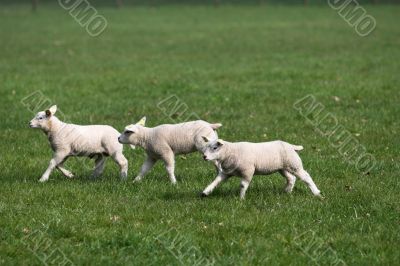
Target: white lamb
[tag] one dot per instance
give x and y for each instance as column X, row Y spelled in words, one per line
column 165, row 141
column 246, row 159
column 66, row 140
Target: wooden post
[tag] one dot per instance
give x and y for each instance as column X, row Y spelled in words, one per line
column 119, row 3
column 216, row 3
column 305, row 2
column 34, row 5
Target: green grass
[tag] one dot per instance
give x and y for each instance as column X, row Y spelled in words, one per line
column 242, row 66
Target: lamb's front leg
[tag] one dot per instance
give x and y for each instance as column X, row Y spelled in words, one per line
column 220, row 177
column 56, row 160
column 247, row 176
column 216, row 165
column 169, row 160
column 147, row 165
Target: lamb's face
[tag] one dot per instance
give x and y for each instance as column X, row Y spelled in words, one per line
column 39, row 121
column 131, row 135
column 42, row 119
column 213, row 149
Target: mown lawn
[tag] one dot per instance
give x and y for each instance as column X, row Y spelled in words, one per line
column 243, row 66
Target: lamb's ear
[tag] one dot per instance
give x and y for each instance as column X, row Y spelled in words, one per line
column 205, row 139
column 51, row 111
column 142, row 121
column 220, row 142
column 216, row 126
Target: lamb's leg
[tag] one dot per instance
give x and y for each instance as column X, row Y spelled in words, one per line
column 244, row 184
column 306, row 178
column 210, row 188
column 56, row 160
column 216, row 164
column 291, row 180
column 147, row 165
column 120, row 159
column 99, row 166
column 64, row 171
column 169, row 162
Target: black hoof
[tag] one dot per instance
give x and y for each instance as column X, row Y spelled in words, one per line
column 203, row 195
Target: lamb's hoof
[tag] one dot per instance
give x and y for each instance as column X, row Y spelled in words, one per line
column 124, row 176
column 172, row 180
column 70, row 175
column 203, row 195
column 319, row 196
column 137, row 180
column 41, row 180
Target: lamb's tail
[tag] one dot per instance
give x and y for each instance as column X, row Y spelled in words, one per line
column 297, row 147
column 216, row 126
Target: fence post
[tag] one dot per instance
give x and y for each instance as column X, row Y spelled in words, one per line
column 34, row 5
column 119, row 3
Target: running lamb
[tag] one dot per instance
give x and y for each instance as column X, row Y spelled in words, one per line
column 246, row 159
column 66, row 140
column 165, row 141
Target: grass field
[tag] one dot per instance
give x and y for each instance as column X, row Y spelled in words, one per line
column 243, row 66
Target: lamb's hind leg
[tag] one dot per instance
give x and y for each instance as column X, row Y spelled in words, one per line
column 290, row 179
column 120, row 159
column 99, row 165
column 306, row 178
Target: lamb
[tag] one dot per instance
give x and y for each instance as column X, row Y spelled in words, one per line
column 66, row 140
column 165, row 141
column 246, row 159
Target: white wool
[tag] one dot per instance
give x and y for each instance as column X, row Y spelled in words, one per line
column 165, row 141
column 66, row 140
column 246, row 159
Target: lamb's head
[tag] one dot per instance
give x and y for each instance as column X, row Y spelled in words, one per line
column 133, row 134
column 43, row 119
column 213, row 149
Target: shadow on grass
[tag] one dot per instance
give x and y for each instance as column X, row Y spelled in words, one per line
column 230, row 193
